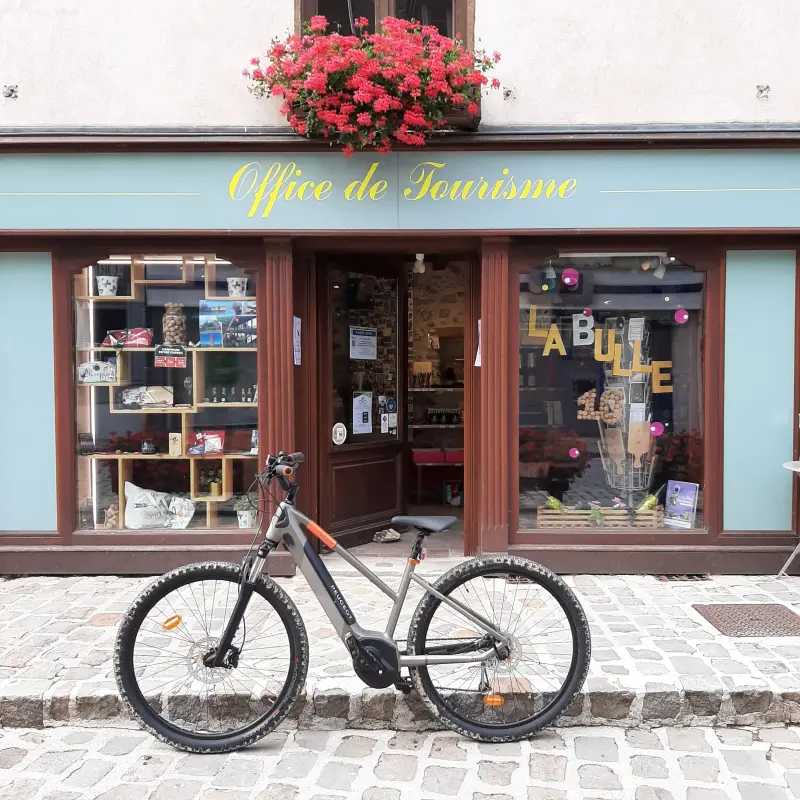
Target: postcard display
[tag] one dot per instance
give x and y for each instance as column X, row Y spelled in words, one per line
column 197, row 395
column 627, row 447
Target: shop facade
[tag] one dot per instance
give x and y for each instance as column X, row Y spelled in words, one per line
column 590, row 353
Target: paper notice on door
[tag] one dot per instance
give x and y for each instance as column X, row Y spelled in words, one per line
column 297, row 340
column 362, row 412
column 478, row 354
column 638, row 412
column 384, row 423
column 393, row 421
column 363, row 344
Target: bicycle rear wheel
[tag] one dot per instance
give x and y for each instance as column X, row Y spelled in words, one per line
column 174, row 623
column 509, row 696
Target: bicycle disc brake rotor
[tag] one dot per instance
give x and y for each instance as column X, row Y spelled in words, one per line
column 198, row 670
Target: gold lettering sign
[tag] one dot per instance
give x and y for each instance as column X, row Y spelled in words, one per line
column 264, row 186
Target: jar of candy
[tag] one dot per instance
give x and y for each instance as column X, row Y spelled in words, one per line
column 174, row 324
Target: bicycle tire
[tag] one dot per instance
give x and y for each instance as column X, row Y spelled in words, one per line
column 525, row 569
column 164, row 730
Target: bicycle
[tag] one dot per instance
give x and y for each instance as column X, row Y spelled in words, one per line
column 207, row 681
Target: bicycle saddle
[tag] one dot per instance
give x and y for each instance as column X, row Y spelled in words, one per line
column 426, row 524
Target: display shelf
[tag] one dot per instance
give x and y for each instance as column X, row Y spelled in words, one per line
column 139, row 268
column 437, row 389
column 195, row 467
column 122, row 377
column 205, row 405
column 106, row 349
column 431, row 427
column 211, row 283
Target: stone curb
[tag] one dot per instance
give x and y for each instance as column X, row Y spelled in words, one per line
column 336, row 709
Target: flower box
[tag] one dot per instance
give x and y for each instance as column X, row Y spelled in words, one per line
column 571, row 517
column 403, row 84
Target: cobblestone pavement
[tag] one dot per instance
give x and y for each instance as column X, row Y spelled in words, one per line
column 655, row 660
column 572, row 764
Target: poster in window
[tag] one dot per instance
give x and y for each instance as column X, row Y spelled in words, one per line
column 680, row 506
column 363, row 344
column 362, row 412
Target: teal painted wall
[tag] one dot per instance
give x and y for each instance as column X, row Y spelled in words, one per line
column 27, row 400
column 759, row 390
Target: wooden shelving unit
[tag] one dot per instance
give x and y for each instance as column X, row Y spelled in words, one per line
column 197, row 355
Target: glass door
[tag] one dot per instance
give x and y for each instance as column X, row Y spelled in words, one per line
column 362, row 395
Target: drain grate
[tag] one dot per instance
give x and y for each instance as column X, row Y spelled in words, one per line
column 751, row 619
column 683, row 577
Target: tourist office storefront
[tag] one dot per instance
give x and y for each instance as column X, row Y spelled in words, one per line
column 587, row 356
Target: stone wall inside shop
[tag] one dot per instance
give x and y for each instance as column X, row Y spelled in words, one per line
column 437, row 300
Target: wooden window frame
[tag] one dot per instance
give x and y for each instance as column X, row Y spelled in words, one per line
column 463, row 15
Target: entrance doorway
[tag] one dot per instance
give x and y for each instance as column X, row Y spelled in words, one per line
column 392, row 385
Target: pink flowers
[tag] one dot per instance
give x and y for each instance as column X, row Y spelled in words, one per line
column 371, row 90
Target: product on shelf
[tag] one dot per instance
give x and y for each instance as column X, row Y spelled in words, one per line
column 174, row 324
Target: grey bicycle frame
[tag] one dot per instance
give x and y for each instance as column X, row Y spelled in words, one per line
column 287, row 526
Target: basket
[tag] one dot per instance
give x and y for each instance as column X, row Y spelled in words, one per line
column 571, row 517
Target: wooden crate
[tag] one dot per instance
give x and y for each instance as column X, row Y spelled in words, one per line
column 572, row 517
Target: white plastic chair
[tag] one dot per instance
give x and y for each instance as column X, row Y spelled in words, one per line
column 794, row 466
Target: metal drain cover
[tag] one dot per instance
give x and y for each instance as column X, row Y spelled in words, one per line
column 751, row 619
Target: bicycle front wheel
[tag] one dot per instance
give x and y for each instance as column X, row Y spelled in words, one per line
column 180, row 618
column 518, row 690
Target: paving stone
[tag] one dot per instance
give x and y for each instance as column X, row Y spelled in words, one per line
column 653, row 793
column 751, row 701
column 396, row 767
column 225, row 794
column 312, row 740
column 611, row 705
column 355, row 746
column 788, row 759
column 689, row 665
column 793, row 780
column 376, row 793
column 89, row 773
column 697, row 793
column 497, row 773
column 294, row 764
column 447, row 748
column 596, row 748
column 547, row 740
column 643, row 740
column 661, row 705
column 125, row 791
column 201, row 766
column 699, row 768
column 539, row 793
column 704, row 703
column 688, row 740
column 596, row 776
column 11, row 756
column 279, row 791
column 338, row 776
column 778, row 735
column 59, row 795
column 649, row 767
column 443, row 780
column 176, row 789
column 56, row 763
column 147, row 768
column 761, row 791
column 746, row 762
column 547, row 767
column 23, row 788
column 121, row 745
column 406, row 740
column 735, row 737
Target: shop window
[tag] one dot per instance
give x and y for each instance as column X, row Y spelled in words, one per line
column 610, row 394
column 166, row 392
column 448, row 16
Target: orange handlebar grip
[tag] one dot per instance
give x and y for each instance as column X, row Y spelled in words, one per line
column 324, row 537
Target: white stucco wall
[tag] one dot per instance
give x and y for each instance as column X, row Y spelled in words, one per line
column 642, row 61
column 148, row 62
column 157, row 63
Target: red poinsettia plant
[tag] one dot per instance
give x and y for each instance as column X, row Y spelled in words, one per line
column 374, row 89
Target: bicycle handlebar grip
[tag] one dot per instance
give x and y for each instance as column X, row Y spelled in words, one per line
column 285, row 470
column 297, row 458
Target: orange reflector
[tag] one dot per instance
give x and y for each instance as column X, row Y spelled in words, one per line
column 493, row 700
column 172, row 623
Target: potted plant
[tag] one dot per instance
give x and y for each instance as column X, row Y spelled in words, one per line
column 210, row 481
column 107, row 279
column 246, row 513
column 403, row 83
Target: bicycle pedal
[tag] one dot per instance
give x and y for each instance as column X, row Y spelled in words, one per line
column 404, row 686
